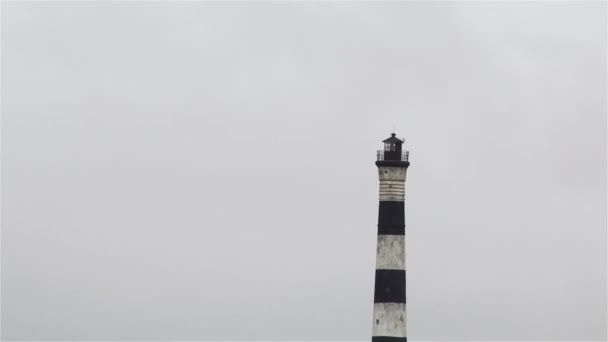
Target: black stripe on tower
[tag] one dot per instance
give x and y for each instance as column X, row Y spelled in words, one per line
column 390, row 286
column 388, row 339
column 391, row 218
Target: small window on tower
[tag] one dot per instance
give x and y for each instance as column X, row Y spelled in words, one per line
column 377, row 321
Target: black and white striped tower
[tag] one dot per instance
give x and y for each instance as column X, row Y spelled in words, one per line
column 389, row 295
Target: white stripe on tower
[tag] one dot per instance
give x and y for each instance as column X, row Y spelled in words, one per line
column 390, row 252
column 391, row 190
column 391, row 318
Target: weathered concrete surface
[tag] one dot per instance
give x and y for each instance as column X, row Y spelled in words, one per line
column 390, row 253
column 389, row 320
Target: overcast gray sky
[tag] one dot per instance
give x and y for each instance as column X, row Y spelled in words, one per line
column 205, row 171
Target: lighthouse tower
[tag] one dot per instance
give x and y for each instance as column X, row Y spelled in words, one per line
column 389, row 296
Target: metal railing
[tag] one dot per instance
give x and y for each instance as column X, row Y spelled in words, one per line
column 393, row 155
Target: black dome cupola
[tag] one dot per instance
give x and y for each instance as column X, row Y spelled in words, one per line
column 393, row 151
column 392, row 144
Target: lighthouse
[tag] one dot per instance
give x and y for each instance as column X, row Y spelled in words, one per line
column 389, row 294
